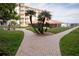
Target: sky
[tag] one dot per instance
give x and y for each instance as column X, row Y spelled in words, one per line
column 65, row 12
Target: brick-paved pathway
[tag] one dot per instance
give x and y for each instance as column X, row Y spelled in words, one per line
column 39, row 45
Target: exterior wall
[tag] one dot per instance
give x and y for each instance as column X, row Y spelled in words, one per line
column 22, row 14
column 34, row 18
column 69, row 24
column 55, row 25
column 21, row 9
column 65, row 25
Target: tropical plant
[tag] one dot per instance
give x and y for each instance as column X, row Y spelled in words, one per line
column 31, row 13
column 42, row 18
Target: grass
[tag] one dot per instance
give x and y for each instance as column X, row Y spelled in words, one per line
column 1, row 27
column 12, row 27
column 69, row 44
column 57, row 29
column 30, row 28
column 10, row 42
column 52, row 30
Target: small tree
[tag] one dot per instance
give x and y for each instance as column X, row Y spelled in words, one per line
column 31, row 13
column 42, row 17
column 7, row 11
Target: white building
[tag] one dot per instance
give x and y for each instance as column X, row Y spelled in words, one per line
column 21, row 9
column 65, row 25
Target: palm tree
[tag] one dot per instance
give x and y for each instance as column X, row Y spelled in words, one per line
column 44, row 15
column 30, row 13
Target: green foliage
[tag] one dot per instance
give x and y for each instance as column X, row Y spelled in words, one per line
column 10, row 42
column 57, row 29
column 42, row 17
column 17, row 17
column 30, row 12
column 52, row 30
column 44, row 14
column 31, row 29
column 7, row 11
column 69, row 44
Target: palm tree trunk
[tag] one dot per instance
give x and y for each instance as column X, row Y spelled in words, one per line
column 32, row 24
column 42, row 30
column 31, row 20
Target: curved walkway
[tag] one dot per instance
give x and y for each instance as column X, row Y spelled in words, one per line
column 36, row 45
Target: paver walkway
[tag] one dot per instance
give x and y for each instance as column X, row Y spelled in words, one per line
column 36, row 45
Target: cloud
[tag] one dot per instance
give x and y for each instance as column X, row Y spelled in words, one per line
column 66, row 12
column 38, row 5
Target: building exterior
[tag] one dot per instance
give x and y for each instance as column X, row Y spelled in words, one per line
column 55, row 23
column 21, row 8
column 69, row 24
column 65, row 25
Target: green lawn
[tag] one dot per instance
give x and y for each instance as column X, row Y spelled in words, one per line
column 69, row 44
column 57, row 29
column 1, row 27
column 10, row 42
column 30, row 28
column 11, row 27
column 52, row 30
